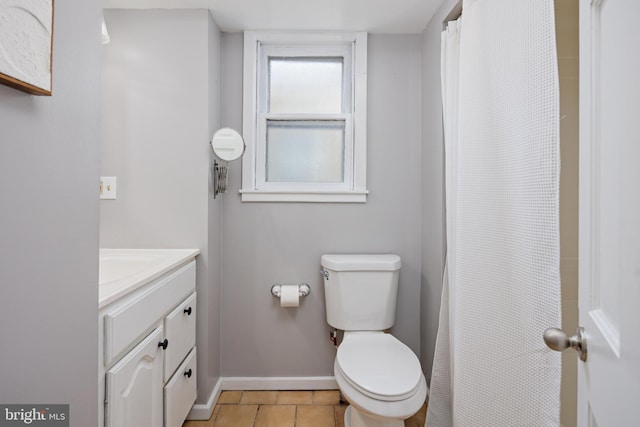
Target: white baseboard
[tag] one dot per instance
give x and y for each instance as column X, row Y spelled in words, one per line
column 204, row 411
column 201, row 411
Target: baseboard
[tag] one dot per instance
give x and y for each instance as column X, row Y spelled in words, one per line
column 204, row 411
column 201, row 411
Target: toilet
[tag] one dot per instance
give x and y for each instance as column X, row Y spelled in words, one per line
column 379, row 375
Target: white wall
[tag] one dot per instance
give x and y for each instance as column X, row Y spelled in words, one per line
column 161, row 102
column 49, row 159
column 267, row 243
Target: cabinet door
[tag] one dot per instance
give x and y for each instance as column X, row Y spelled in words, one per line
column 134, row 386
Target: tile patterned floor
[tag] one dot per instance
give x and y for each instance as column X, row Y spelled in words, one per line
column 320, row 408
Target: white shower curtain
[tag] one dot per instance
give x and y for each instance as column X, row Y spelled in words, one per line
column 501, row 285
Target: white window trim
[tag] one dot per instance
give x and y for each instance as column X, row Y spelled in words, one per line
column 356, row 189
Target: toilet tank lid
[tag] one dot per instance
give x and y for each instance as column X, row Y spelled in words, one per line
column 361, row 262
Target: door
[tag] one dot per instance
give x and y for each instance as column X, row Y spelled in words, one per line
column 609, row 381
column 134, row 386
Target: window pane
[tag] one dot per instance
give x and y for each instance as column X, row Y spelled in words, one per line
column 305, row 151
column 305, row 85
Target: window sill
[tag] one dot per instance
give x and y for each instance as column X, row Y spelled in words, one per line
column 359, row 196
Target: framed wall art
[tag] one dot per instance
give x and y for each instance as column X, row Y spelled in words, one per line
column 26, row 45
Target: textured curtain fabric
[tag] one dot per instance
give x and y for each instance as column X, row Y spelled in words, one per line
column 501, row 285
column 439, row 413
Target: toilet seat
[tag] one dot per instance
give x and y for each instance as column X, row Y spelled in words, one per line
column 379, row 366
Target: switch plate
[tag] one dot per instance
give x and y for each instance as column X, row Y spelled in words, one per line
column 108, row 187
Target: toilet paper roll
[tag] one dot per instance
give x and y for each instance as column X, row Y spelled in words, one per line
column 289, row 296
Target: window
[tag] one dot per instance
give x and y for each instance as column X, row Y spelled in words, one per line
column 304, row 117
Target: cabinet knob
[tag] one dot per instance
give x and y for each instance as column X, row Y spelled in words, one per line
column 188, row 311
column 164, row 344
column 188, row 373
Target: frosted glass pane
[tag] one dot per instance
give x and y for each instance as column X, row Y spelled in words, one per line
column 305, row 151
column 305, row 85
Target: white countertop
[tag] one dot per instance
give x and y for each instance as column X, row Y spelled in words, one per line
column 122, row 271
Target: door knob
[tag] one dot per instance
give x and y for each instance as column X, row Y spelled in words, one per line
column 556, row 339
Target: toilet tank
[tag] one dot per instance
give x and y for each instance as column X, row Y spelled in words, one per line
column 360, row 290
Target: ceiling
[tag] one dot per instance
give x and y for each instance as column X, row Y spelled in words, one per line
column 373, row 16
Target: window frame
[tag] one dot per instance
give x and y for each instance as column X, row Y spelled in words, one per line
column 258, row 47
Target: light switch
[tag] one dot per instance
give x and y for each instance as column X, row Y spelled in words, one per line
column 108, row 187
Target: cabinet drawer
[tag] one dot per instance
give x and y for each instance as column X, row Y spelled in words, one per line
column 180, row 392
column 123, row 325
column 180, row 331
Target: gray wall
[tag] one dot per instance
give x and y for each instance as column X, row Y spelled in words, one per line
column 212, row 326
column 161, row 101
column 432, row 195
column 267, row 243
column 49, row 159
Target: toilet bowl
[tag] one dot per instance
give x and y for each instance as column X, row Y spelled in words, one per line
column 379, row 375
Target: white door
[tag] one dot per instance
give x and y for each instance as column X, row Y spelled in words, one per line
column 609, row 381
column 134, row 386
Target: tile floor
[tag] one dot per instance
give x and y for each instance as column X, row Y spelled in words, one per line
column 320, row 408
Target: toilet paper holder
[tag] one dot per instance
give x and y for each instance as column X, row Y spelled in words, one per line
column 303, row 290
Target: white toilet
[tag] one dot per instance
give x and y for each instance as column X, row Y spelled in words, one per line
column 379, row 375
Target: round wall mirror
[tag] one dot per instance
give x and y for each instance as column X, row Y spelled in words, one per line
column 227, row 144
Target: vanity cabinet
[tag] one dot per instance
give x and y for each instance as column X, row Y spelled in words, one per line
column 149, row 353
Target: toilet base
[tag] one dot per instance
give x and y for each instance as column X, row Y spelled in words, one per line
column 355, row 418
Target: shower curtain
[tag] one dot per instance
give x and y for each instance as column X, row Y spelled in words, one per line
column 501, row 286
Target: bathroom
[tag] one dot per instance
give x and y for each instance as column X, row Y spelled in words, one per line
column 162, row 101
column 150, row 128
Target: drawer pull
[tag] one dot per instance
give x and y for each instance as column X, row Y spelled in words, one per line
column 188, row 373
column 164, row 344
column 188, row 311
